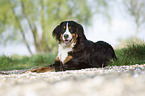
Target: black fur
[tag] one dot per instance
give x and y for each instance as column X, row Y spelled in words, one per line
column 85, row 54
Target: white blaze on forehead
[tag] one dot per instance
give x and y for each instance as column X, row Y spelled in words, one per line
column 67, row 32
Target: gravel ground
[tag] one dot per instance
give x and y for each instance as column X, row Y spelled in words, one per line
column 108, row 81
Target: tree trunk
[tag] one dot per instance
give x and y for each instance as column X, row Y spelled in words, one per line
column 20, row 28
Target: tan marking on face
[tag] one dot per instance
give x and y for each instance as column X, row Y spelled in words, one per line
column 67, row 59
column 44, row 69
column 69, row 27
column 75, row 36
column 61, row 40
column 57, row 58
column 64, row 27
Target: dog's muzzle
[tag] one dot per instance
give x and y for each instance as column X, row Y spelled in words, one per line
column 67, row 38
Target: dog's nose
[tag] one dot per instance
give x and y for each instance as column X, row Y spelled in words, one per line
column 66, row 36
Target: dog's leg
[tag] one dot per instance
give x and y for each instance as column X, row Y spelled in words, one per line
column 44, row 69
column 57, row 66
column 102, row 65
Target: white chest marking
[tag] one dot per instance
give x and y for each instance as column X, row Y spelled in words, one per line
column 63, row 52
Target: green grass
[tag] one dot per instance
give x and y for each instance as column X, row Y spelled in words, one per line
column 133, row 54
column 25, row 62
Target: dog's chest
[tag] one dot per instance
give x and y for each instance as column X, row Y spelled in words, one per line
column 63, row 52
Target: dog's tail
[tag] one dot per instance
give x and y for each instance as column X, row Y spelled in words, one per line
column 115, row 57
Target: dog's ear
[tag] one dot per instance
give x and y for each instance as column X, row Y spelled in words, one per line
column 56, row 32
column 80, row 31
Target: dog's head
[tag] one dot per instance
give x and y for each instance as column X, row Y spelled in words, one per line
column 69, row 32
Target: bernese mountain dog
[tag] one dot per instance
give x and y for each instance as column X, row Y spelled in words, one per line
column 76, row 52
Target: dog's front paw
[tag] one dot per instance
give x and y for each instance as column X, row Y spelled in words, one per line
column 65, row 67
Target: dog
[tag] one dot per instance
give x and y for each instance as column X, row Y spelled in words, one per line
column 76, row 52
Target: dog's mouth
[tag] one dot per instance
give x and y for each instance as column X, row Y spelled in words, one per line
column 67, row 41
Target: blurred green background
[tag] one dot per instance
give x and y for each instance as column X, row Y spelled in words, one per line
column 29, row 24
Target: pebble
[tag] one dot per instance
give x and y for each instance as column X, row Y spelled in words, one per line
column 108, row 81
